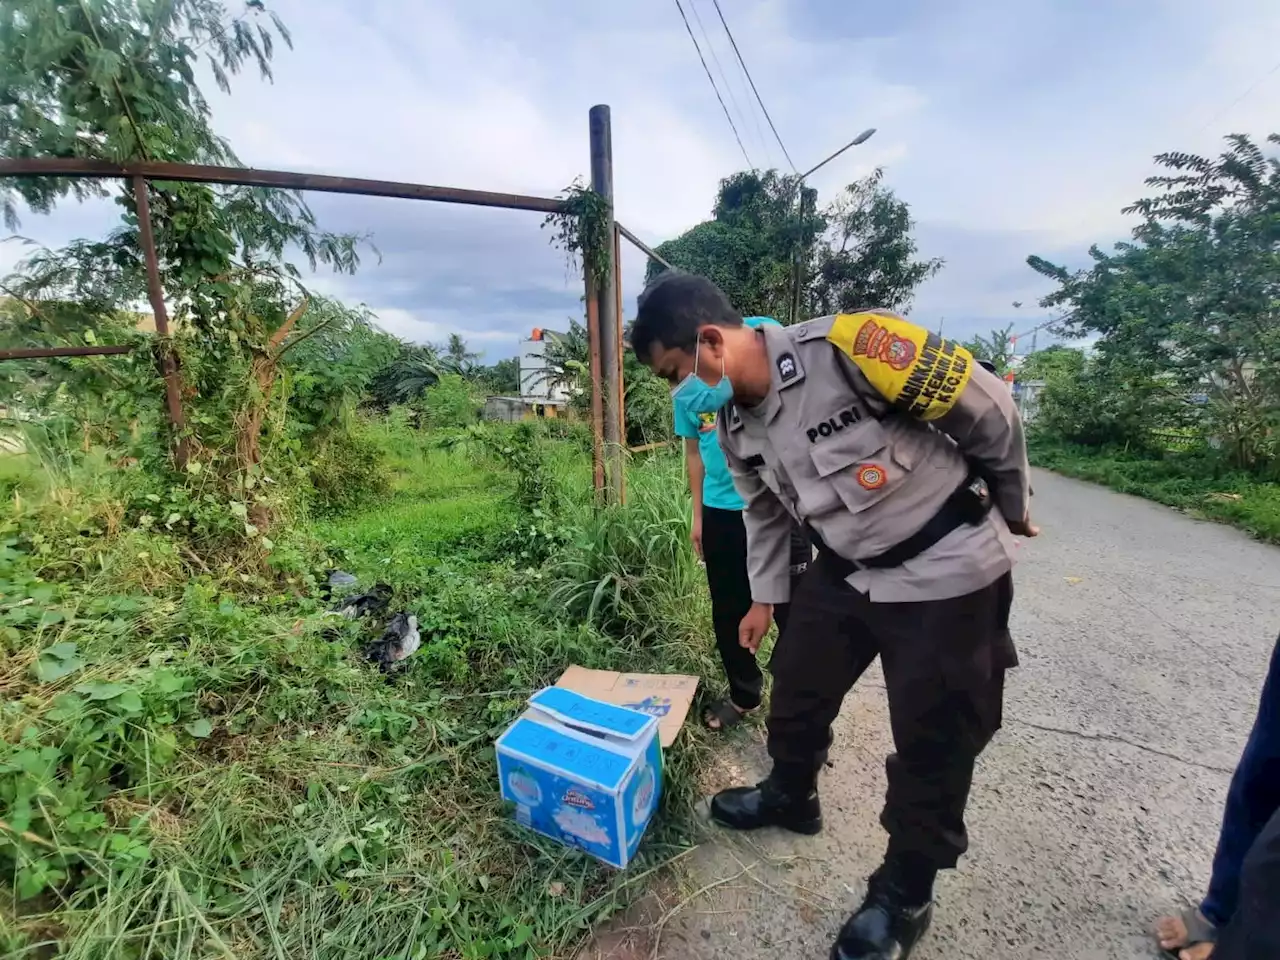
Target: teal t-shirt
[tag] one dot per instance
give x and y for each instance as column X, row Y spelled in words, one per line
column 718, row 490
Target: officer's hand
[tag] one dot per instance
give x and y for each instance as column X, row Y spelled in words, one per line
column 755, row 625
column 696, row 536
column 1023, row 527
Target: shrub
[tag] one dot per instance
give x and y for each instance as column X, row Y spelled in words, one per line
column 349, row 470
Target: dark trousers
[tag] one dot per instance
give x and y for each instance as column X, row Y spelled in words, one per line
column 724, row 550
column 944, row 665
column 1252, row 801
column 1253, row 932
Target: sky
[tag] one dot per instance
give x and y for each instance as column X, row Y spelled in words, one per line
column 1011, row 127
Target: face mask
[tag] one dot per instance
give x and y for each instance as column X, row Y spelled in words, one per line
column 699, row 396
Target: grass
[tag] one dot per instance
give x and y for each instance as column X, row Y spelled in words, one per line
column 197, row 766
column 1193, row 482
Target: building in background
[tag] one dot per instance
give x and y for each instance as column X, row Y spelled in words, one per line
column 541, row 393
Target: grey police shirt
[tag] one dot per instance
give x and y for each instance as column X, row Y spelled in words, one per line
column 865, row 433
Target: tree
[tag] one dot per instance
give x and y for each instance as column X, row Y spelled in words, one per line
column 457, row 357
column 996, row 347
column 415, row 368
column 1190, row 302
column 116, row 80
column 867, row 258
column 747, row 246
column 1050, row 362
column 860, row 246
column 502, row 377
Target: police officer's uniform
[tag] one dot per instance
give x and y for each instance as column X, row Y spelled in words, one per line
column 885, row 440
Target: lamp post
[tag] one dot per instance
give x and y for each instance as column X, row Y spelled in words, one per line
column 797, row 268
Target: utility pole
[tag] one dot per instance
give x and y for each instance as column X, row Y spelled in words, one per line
column 799, row 269
column 610, row 329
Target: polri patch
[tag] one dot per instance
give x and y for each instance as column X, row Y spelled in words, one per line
column 915, row 370
column 787, row 369
column 871, row 476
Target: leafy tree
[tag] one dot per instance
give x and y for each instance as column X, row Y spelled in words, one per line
column 856, row 252
column 451, row 402
column 457, row 357
column 502, row 377
column 1191, row 300
column 1050, row 362
column 995, row 347
column 116, row 80
column 415, row 368
column 867, row 256
column 748, row 245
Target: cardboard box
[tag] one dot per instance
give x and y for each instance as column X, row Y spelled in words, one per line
column 583, row 772
column 662, row 695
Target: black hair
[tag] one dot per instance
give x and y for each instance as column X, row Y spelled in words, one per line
column 987, row 365
column 672, row 308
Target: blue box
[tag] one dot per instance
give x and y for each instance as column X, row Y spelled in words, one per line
column 583, row 772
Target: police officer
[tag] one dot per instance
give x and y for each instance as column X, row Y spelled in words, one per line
column 906, row 460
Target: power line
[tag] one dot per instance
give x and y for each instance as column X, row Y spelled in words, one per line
column 743, row 64
column 1240, row 99
column 742, row 114
column 727, row 116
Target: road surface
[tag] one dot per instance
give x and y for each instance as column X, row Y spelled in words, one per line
column 1143, row 637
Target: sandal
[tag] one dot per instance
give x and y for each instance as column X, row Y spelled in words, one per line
column 1198, row 931
column 726, row 713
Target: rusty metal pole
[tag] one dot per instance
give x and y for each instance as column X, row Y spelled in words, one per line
column 622, row 391
column 597, row 387
column 168, row 365
column 606, row 290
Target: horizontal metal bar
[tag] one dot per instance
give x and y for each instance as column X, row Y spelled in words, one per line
column 35, row 352
column 249, row 177
column 643, row 247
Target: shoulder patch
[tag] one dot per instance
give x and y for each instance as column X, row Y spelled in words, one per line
column 915, row 370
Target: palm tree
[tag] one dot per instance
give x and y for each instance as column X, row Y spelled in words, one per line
column 407, row 376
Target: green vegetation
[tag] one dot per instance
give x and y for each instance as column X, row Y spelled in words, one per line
column 196, row 760
column 1199, row 484
column 858, row 250
column 200, row 762
column 1184, row 374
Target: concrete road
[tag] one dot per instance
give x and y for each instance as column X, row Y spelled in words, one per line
column 1144, row 636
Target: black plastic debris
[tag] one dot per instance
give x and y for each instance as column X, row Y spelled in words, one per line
column 398, row 642
column 368, row 604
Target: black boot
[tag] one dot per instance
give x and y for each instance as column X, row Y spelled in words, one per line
column 777, row 801
column 893, row 917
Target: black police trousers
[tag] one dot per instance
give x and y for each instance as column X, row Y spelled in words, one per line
column 944, row 664
column 1253, row 932
column 724, row 550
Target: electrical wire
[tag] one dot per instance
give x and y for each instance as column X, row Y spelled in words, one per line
column 727, row 115
column 1240, row 99
column 724, row 78
column 743, row 64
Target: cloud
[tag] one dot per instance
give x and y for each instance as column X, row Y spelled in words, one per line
column 1010, row 126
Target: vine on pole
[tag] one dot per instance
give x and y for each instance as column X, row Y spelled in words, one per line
column 582, row 229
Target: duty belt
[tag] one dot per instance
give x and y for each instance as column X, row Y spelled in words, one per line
column 968, row 504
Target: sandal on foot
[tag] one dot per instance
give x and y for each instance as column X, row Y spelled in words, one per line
column 1199, row 930
column 725, row 712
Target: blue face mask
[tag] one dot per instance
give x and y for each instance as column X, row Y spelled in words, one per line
column 699, row 396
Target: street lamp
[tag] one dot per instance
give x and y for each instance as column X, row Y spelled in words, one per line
column 796, row 269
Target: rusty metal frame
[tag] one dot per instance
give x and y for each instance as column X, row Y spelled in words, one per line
column 250, row 177
column 140, row 173
column 643, row 247
column 36, row 353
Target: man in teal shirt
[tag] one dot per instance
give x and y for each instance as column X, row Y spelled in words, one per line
column 720, row 540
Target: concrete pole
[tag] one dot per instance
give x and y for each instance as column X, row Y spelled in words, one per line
column 607, row 297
